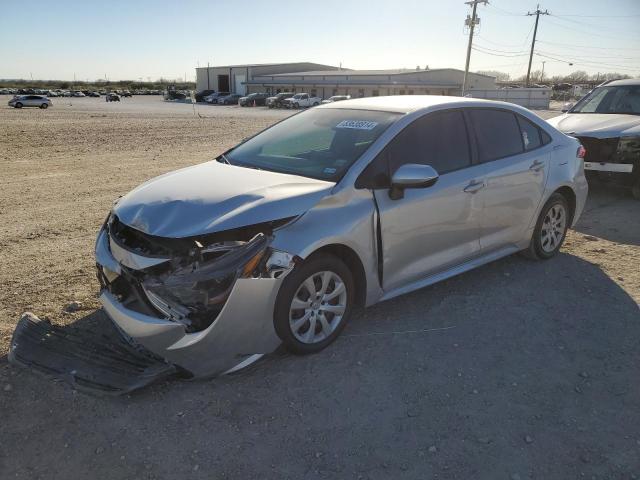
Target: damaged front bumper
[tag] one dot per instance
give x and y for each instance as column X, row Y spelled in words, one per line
column 239, row 332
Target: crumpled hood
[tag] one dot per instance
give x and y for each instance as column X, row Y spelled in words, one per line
column 212, row 197
column 597, row 125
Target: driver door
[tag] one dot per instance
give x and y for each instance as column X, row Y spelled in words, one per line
column 435, row 228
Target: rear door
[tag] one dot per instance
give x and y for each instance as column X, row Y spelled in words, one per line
column 430, row 229
column 517, row 161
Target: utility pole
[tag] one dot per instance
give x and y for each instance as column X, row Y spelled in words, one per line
column 542, row 74
column 470, row 22
column 537, row 13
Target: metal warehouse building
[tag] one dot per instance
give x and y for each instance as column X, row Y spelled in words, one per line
column 234, row 78
column 325, row 81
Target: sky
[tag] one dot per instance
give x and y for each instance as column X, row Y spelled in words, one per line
column 141, row 40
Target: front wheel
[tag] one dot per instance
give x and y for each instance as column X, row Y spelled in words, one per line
column 44, row 106
column 314, row 304
column 315, row 104
column 550, row 230
column 18, row 105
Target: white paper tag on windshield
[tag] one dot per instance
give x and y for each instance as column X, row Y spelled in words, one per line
column 357, row 124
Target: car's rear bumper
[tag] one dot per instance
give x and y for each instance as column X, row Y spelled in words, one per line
column 609, row 167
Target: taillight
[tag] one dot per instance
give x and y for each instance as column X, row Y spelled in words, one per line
column 582, row 152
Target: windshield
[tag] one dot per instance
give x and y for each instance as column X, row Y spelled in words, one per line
column 318, row 143
column 622, row 99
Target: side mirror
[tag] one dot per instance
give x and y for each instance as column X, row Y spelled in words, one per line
column 567, row 106
column 411, row 175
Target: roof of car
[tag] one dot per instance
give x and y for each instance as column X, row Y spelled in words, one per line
column 628, row 81
column 409, row 103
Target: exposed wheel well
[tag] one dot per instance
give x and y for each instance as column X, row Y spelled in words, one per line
column 570, row 196
column 351, row 259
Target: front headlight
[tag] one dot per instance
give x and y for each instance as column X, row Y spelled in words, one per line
column 195, row 293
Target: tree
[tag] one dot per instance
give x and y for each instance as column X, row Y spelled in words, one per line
column 577, row 76
column 500, row 76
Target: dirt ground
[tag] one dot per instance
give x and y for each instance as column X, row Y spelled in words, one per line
column 516, row 370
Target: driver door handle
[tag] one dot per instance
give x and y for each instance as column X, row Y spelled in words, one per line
column 537, row 166
column 474, row 187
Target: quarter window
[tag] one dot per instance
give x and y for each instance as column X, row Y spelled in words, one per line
column 530, row 134
column 497, row 134
column 438, row 139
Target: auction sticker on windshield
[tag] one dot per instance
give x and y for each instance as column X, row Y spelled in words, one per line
column 357, row 124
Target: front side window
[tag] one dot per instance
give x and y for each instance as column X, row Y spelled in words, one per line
column 318, row 143
column 621, row 99
column 497, row 134
column 438, row 139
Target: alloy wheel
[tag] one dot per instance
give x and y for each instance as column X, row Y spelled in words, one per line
column 318, row 307
column 553, row 227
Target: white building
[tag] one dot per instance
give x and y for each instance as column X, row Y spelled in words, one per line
column 325, row 81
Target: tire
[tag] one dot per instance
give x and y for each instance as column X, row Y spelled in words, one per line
column 44, row 106
column 315, row 104
column 317, row 322
column 296, row 106
column 18, row 105
column 550, row 230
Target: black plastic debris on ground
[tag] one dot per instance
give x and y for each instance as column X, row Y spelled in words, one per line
column 94, row 362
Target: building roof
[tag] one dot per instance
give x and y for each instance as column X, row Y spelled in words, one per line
column 409, row 103
column 354, row 73
column 241, row 65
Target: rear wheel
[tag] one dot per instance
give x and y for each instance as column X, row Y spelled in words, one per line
column 550, row 230
column 314, row 304
column 315, row 104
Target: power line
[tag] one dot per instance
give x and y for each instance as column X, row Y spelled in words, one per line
column 498, row 54
column 599, row 16
column 500, row 51
column 537, row 13
column 589, row 64
column 585, row 46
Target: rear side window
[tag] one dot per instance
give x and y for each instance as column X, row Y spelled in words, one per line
column 530, row 134
column 497, row 134
column 438, row 139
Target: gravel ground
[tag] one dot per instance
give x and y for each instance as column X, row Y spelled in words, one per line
column 515, row 370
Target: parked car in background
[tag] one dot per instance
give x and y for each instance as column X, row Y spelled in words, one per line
column 277, row 241
column 336, row 98
column 200, row 95
column 254, row 100
column 52, row 93
column 125, row 93
column 302, row 100
column 78, row 93
column 231, row 99
column 607, row 123
column 213, row 98
column 276, row 101
column 20, row 101
column 93, row 94
column 112, row 97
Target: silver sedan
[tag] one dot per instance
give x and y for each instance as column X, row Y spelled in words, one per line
column 39, row 101
column 350, row 203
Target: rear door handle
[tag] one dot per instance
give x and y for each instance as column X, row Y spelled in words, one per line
column 473, row 187
column 537, row 166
